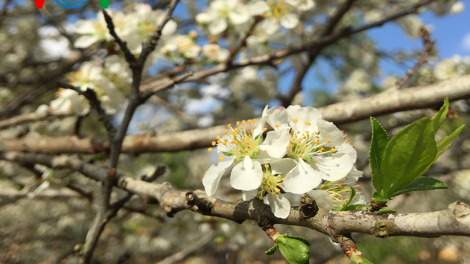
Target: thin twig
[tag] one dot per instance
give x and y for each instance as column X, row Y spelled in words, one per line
column 95, row 103
column 242, row 42
column 427, row 48
column 130, row 58
column 152, row 42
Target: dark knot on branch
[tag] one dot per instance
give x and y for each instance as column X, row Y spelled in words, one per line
column 204, row 206
column 308, row 206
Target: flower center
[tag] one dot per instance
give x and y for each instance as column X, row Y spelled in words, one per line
column 270, row 183
column 239, row 141
column 304, row 144
column 277, row 10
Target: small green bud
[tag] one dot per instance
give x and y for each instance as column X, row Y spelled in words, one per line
column 294, row 249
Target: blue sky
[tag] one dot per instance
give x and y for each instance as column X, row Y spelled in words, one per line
column 450, row 33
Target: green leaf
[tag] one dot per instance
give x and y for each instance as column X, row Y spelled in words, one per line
column 378, row 144
column 439, row 118
column 422, row 184
column 380, row 198
column 353, row 207
column 228, row 153
column 443, row 144
column 294, row 250
column 351, row 197
column 386, row 211
column 271, row 250
column 407, row 154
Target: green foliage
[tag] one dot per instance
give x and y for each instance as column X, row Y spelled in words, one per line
column 294, row 249
column 422, row 184
column 397, row 165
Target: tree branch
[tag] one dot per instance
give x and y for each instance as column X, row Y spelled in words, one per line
column 340, row 113
column 453, row 221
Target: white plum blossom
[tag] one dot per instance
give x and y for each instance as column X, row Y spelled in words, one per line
column 182, row 46
column 69, row 101
column 302, row 151
column 452, row 68
column 223, row 13
column 141, row 22
column 87, row 77
column 335, row 194
column 242, row 151
column 319, row 149
column 93, row 31
column 215, row 53
column 276, row 13
column 270, row 189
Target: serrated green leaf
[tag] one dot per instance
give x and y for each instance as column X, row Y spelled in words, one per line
column 271, row 250
column 378, row 144
column 439, row 118
column 351, row 197
column 422, row 184
column 407, row 154
column 299, row 238
column 386, row 211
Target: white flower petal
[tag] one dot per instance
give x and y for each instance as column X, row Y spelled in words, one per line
column 214, row 174
column 322, row 198
column 302, row 178
column 282, row 166
column 217, row 26
column 328, row 131
column 170, row 28
column 85, row 41
column 258, row 7
column 238, row 18
column 85, row 27
column 275, row 143
column 248, row 195
column 259, row 128
column 304, row 114
column 279, row 205
column 335, row 167
column 348, row 149
column 277, row 118
column 246, row 175
column 269, row 25
column 289, row 20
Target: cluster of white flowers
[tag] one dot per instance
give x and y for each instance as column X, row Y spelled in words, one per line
column 133, row 27
column 301, row 152
column 109, row 83
column 452, row 68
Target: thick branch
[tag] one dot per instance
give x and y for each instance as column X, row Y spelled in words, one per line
column 29, row 117
column 339, row 113
column 453, row 221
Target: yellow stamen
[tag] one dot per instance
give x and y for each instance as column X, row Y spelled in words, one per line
column 266, row 166
column 307, row 123
column 213, row 143
column 328, row 141
column 295, row 121
column 209, row 149
column 221, row 158
column 276, row 125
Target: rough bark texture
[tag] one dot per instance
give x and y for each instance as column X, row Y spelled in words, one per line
column 453, row 221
